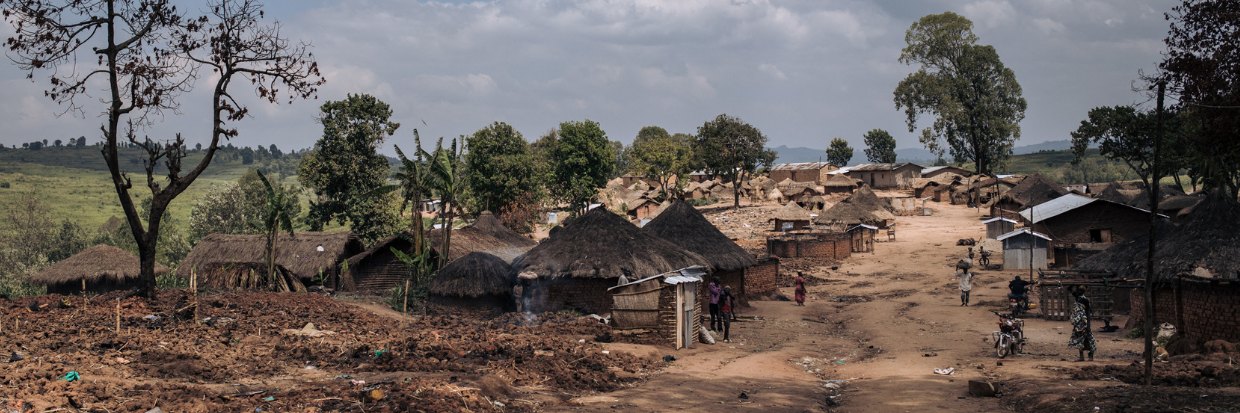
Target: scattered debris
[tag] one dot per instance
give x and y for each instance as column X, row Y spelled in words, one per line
column 946, row 371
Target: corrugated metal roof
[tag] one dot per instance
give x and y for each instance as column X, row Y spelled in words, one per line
column 995, row 219
column 869, row 227
column 800, row 166
column 1054, row 207
column 1022, row 231
column 865, row 167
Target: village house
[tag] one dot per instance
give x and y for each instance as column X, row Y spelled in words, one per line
column 862, row 237
column 97, row 269
column 814, row 172
column 839, row 184
column 1080, row 226
column 945, row 172
column 1031, row 191
column 1197, row 282
column 998, row 226
column 1024, row 248
column 983, row 190
column 791, row 217
column 306, row 258
column 574, row 267
column 683, row 225
column 886, row 175
column 668, row 305
column 478, row 284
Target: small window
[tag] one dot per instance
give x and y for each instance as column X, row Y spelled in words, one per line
column 786, row 226
column 1100, row 235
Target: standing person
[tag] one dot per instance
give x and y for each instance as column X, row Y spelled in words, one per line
column 1082, row 334
column 727, row 302
column 714, row 291
column 800, row 289
column 966, row 285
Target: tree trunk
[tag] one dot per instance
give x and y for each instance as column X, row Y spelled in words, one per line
column 736, row 190
column 146, row 258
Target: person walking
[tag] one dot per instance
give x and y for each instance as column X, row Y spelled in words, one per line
column 1082, row 337
column 799, row 293
column 727, row 303
column 966, row 285
column 714, row 291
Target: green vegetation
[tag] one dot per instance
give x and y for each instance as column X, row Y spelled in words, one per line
column 838, row 152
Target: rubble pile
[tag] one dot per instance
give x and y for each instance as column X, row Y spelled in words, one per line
column 251, row 351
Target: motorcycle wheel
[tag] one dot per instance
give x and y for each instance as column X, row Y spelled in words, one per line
column 1003, row 345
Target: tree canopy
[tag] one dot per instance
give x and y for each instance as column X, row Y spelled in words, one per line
column 974, row 98
column 838, row 152
column 660, row 156
column 581, row 160
column 880, row 146
column 346, row 171
column 731, row 149
column 499, row 168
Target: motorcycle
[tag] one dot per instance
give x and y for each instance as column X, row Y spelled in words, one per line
column 1010, row 339
column 1018, row 305
column 984, row 259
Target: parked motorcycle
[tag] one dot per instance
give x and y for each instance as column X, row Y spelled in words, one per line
column 1018, row 305
column 1010, row 339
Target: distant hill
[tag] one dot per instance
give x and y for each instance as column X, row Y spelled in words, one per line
column 916, row 155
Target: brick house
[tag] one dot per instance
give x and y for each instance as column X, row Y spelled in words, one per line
column 816, row 172
column 574, row 267
column 1198, row 274
column 1080, row 226
column 948, row 172
column 886, row 175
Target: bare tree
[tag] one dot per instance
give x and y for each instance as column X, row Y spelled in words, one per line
column 144, row 54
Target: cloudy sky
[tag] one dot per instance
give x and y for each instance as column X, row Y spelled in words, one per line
column 801, row 71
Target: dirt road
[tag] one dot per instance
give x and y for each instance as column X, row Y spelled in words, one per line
column 879, row 325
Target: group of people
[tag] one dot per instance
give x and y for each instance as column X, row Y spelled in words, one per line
column 1082, row 337
column 722, row 308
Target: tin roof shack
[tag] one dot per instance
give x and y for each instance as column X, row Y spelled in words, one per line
column 97, row 269
column 998, row 226
column 862, row 237
column 791, row 218
column 1030, row 192
column 1081, row 226
column 683, row 225
column 228, row 260
column 661, row 309
column 813, row 172
column 574, row 267
column 378, row 270
column 1197, row 266
column 1019, row 245
column 478, row 284
column 886, row 175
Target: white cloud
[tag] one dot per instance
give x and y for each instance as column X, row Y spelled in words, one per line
column 772, row 71
column 990, row 13
column 1048, row 26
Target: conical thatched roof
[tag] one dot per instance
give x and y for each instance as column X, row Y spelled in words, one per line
column 848, row 213
column 1209, row 238
column 866, row 200
column 774, row 195
column 475, row 275
column 791, row 212
column 299, row 254
column 784, row 183
column 94, row 264
column 487, row 234
column 601, row 244
column 683, row 225
column 840, row 181
column 1034, row 190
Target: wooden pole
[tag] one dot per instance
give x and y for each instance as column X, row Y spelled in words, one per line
column 1148, row 324
column 118, row 316
column 404, row 307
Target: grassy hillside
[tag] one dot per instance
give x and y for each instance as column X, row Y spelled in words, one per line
column 74, row 182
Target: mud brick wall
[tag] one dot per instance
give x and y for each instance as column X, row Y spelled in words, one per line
column 587, row 295
column 1210, row 311
column 833, row 247
column 762, row 279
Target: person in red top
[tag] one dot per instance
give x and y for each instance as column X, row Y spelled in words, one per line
column 800, row 290
column 726, row 304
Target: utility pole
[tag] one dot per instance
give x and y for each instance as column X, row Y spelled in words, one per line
column 1148, row 324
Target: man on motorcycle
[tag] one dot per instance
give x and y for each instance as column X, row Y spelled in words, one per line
column 1019, row 291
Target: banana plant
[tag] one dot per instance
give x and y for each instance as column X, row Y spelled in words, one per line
column 444, row 175
column 278, row 217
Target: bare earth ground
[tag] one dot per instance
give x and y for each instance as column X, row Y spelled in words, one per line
column 873, row 330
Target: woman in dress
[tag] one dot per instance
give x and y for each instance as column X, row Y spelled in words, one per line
column 800, row 290
column 1082, row 335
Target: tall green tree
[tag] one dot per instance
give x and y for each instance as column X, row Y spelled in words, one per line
column 731, row 149
column 662, row 157
column 235, row 208
column 137, row 58
column 838, row 152
column 499, row 168
column 1127, row 134
column 880, row 146
column 1202, row 66
column 445, row 179
column 975, row 100
column 582, row 159
column 346, row 171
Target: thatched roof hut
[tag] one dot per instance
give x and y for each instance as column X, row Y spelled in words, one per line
column 96, row 269
column 487, row 234
column 683, row 225
column 601, row 244
column 475, row 275
column 791, row 212
column 839, row 184
column 843, row 215
column 1033, row 190
column 305, row 255
column 1205, row 245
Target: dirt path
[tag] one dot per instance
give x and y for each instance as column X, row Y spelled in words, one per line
column 881, row 322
